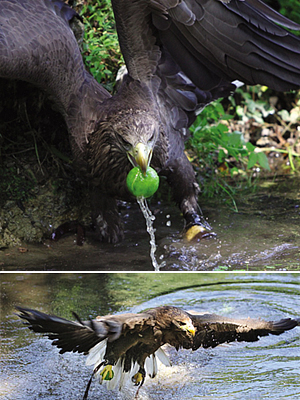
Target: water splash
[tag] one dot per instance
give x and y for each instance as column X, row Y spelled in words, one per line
column 149, row 217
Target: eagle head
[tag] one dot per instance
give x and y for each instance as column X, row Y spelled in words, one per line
column 185, row 325
column 176, row 322
column 140, row 139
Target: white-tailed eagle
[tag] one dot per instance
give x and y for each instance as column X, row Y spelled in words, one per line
column 125, row 347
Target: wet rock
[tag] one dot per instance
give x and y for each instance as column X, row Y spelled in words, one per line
column 38, row 216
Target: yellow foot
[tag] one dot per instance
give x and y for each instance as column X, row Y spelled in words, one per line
column 197, row 232
column 138, row 379
column 107, row 373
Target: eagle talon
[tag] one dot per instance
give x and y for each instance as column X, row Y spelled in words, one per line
column 138, row 379
column 197, row 232
column 107, row 373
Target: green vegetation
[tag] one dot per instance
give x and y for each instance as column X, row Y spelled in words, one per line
column 100, row 46
column 13, row 185
column 227, row 147
column 220, row 153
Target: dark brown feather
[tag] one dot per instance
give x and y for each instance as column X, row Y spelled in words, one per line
column 213, row 330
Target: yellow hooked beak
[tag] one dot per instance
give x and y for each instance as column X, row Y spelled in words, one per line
column 188, row 328
column 191, row 330
column 140, row 155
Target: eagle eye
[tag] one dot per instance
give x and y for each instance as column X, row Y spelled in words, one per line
column 151, row 137
column 127, row 146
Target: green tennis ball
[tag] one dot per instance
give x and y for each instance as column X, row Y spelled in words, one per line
column 140, row 185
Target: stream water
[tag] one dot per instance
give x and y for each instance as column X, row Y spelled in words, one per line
column 263, row 235
column 31, row 368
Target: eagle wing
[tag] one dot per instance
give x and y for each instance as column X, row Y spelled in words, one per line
column 212, row 329
column 210, row 40
column 37, row 45
column 80, row 336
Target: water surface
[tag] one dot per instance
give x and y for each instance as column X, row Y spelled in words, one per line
column 263, row 235
column 268, row 369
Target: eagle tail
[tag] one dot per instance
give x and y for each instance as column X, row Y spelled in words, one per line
column 151, row 365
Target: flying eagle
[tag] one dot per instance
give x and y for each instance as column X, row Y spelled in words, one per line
column 126, row 347
column 180, row 55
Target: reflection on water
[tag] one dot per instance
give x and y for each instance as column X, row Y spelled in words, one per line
column 269, row 369
column 263, row 235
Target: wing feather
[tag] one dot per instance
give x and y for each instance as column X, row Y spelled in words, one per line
column 210, row 42
column 212, row 329
column 48, row 56
column 81, row 336
column 224, row 33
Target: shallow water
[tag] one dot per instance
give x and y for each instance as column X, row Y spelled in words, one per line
column 263, row 235
column 267, row 369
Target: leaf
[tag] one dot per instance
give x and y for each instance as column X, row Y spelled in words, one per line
column 284, row 115
column 259, row 158
column 252, row 160
column 263, row 160
column 221, row 156
column 234, row 171
column 250, row 147
column 295, row 115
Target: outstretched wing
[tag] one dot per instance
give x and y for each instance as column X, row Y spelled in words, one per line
column 81, row 336
column 212, row 329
